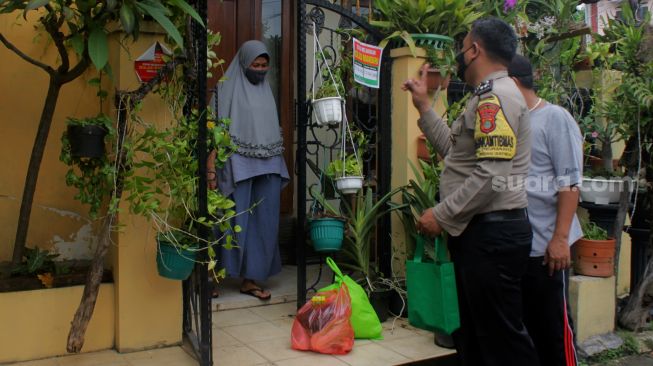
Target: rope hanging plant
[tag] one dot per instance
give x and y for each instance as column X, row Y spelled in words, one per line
column 328, row 103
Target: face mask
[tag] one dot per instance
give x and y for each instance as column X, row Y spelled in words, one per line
column 255, row 76
column 462, row 67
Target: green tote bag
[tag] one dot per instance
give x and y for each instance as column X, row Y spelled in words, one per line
column 363, row 318
column 431, row 287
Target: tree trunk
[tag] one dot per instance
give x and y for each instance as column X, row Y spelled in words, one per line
column 606, row 155
column 633, row 317
column 91, row 288
column 34, row 166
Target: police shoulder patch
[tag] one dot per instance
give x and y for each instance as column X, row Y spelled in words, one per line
column 494, row 137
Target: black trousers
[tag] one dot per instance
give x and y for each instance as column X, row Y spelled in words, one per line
column 490, row 259
column 547, row 316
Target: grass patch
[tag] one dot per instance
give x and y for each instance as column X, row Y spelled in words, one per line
column 629, row 347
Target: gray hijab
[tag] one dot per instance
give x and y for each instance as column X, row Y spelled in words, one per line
column 252, row 109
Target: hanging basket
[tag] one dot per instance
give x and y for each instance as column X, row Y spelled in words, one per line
column 86, row 141
column 601, row 191
column 350, row 184
column 172, row 261
column 327, row 234
column 328, row 111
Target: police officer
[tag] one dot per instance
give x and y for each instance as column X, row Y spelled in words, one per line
column 483, row 208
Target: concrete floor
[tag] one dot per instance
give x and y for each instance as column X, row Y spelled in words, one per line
column 247, row 331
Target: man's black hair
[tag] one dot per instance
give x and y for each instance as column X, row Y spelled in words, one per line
column 520, row 68
column 497, row 38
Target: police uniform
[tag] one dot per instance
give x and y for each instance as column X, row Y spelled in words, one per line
column 483, row 208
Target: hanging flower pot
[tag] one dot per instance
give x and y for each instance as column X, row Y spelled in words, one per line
column 349, row 185
column 601, row 191
column 594, row 257
column 173, row 261
column 328, row 111
column 327, row 234
column 435, row 80
column 86, row 141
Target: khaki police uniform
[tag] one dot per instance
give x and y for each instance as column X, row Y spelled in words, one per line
column 483, row 208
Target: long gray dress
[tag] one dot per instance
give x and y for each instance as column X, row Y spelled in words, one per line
column 256, row 173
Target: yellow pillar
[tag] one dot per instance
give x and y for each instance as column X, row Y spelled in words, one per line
column 148, row 307
column 405, row 133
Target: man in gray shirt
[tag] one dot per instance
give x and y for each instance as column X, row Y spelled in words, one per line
column 554, row 174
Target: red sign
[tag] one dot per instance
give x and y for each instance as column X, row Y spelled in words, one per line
column 147, row 65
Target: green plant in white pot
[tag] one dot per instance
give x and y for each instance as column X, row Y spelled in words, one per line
column 347, row 169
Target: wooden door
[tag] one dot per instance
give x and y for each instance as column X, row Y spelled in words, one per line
column 271, row 22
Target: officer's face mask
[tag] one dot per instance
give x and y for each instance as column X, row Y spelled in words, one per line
column 255, row 76
column 460, row 61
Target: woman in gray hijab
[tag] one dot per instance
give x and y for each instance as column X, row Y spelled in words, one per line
column 255, row 174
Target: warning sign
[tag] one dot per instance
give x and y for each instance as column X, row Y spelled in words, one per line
column 149, row 63
column 367, row 64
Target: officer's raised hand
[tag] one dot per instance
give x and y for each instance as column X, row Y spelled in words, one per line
column 419, row 91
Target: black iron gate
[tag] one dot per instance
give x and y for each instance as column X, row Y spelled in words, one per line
column 368, row 110
column 197, row 320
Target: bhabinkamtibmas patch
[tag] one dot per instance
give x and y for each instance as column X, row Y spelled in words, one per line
column 493, row 135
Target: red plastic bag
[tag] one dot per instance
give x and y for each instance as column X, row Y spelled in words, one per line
column 322, row 324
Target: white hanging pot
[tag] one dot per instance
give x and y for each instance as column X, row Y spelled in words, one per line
column 350, row 184
column 601, row 191
column 328, row 111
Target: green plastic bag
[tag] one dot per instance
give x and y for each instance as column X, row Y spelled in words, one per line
column 363, row 318
column 431, row 287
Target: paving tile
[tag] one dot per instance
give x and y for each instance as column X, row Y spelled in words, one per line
column 93, row 359
column 228, row 318
column 44, row 362
column 400, row 330
column 312, row 359
column 417, row 347
column 222, row 339
column 372, row 354
column 276, row 312
column 168, row 356
column 275, row 349
column 238, row 355
column 257, row 332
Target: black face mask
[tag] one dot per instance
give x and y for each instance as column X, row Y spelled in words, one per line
column 460, row 61
column 255, row 76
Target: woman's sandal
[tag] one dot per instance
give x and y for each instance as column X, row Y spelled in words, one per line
column 253, row 292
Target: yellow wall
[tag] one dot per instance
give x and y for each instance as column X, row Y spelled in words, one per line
column 148, row 307
column 142, row 310
column 404, row 138
column 35, row 324
column 56, row 216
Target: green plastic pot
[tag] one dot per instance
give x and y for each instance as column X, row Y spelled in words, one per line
column 327, row 234
column 435, row 41
column 173, row 261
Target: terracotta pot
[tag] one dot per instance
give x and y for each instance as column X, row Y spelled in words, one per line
column 434, row 80
column 594, row 257
column 422, row 150
column 584, row 64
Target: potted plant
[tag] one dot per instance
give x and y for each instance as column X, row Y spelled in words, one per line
column 362, row 214
column 326, row 225
column 85, row 136
column 347, row 169
column 425, row 23
column 594, row 253
column 328, row 101
column 441, row 67
column 601, row 187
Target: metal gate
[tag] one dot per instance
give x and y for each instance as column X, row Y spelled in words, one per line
column 367, row 109
column 196, row 292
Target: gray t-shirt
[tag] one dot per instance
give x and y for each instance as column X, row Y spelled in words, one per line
column 556, row 161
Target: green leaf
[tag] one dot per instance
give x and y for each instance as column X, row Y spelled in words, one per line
column 127, row 18
column 161, row 18
column 98, row 48
column 35, row 4
column 188, row 10
column 77, row 43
